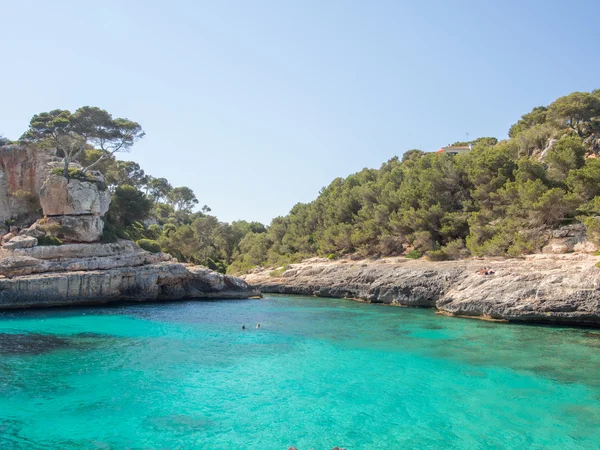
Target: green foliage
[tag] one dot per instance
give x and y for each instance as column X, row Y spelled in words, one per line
column 414, row 254
column 71, row 134
column 49, row 240
column 499, row 199
column 109, row 234
column 129, row 205
column 536, row 117
column 565, row 155
column 592, row 229
column 149, row 245
column 436, row 255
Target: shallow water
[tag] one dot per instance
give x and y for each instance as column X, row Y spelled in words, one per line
column 318, row 373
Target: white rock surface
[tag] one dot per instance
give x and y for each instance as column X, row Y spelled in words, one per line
column 59, row 196
column 20, row 242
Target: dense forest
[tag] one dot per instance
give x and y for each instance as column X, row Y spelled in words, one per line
column 499, row 199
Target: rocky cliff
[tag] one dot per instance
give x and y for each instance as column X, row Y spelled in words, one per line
column 22, row 172
column 42, row 206
column 538, row 288
column 77, row 274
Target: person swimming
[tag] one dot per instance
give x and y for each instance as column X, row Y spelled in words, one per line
column 243, row 327
column 257, row 326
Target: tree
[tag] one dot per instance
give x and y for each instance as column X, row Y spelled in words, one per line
column 129, row 205
column 412, row 154
column 126, row 172
column 537, row 116
column 110, row 135
column 576, row 111
column 565, row 155
column 159, row 188
column 72, row 133
column 183, row 199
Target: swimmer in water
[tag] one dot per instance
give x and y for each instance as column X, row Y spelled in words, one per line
column 243, row 327
column 257, row 326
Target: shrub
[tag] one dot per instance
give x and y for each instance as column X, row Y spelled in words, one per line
column 592, row 228
column 217, row 266
column 109, row 234
column 414, row 254
column 332, row 256
column 149, row 245
column 49, row 240
column 436, row 255
column 455, row 249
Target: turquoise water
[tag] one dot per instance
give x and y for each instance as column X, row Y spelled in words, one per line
column 318, row 373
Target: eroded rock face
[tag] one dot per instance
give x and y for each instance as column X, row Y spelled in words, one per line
column 75, row 274
column 22, row 172
column 59, row 196
column 538, row 288
column 80, row 228
column 20, row 242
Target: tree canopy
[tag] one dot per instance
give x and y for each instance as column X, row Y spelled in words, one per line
column 87, row 128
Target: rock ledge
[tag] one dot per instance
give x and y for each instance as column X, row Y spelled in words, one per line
column 543, row 288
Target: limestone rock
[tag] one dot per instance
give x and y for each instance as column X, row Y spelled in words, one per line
column 33, row 231
column 80, row 228
column 585, row 247
column 59, row 196
column 564, row 245
column 23, row 170
column 21, row 242
column 73, row 274
column 159, row 281
column 73, row 251
column 7, row 237
column 538, row 288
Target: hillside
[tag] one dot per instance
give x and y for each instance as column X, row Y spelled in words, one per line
column 503, row 198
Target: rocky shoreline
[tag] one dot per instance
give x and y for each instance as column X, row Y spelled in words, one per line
column 80, row 274
column 546, row 288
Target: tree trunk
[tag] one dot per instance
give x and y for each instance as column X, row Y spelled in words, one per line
column 66, row 167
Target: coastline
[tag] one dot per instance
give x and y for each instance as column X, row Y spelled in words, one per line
column 561, row 289
column 85, row 274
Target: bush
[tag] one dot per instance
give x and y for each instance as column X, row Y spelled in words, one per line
column 455, row 249
column 436, row 255
column 332, row 256
column 149, row 245
column 49, row 240
column 414, row 254
column 592, row 229
column 217, row 266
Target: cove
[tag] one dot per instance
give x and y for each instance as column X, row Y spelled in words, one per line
column 318, row 373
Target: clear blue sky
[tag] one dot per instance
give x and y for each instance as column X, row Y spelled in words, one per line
column 257, row 105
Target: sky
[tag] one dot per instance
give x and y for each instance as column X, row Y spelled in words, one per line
column 257, row 105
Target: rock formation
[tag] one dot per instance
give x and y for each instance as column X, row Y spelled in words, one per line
column 79, row 274
column 22, row 172
column 538, row 288
column 82, row 271
column 77, row 206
